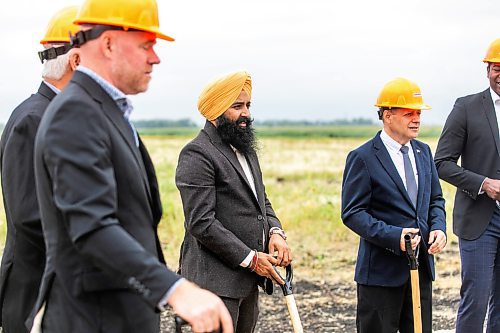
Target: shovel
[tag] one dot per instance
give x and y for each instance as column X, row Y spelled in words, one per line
column 290, row 300
column 415, row 285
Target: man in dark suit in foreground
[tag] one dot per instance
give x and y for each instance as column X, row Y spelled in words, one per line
column 232, row 231
column 390, row 189
column 23, row 258
column 471, row 134
column 98, row 193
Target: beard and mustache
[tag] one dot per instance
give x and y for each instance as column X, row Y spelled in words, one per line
column 240, row 137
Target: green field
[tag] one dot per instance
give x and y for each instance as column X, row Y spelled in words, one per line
column 303, row 175
column 351, row 131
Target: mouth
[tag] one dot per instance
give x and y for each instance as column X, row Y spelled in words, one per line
column 242, row 122
column 414, row 128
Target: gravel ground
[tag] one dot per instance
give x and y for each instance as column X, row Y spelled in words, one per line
column 326, row 307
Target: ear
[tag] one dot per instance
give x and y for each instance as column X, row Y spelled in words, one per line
column 74, row 60
column 387, row 115
column 107, row 44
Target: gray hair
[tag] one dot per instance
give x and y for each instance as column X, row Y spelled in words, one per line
column 55, row 69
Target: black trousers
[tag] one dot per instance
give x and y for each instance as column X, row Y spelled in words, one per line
column 244, row 311
column 389, row 309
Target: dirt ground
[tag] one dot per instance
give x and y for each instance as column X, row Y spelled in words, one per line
column 329, row 304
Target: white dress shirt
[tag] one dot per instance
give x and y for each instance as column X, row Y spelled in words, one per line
column 393, row 147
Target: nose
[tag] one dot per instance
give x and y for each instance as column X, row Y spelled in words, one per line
column 245, row 112
column 416, row 118
column 154, row 59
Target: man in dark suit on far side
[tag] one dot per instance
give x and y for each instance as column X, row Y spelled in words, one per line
column 471, row 135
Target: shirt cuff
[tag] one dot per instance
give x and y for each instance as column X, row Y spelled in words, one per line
column 274, row 228
column 481, row 188
column 248, row 259
column 162, row 305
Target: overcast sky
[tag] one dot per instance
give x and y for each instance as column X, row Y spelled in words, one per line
column 316, row 60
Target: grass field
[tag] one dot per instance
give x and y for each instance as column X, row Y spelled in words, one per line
column 303, row 175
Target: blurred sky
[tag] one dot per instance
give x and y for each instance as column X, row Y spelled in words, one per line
column 315, row 59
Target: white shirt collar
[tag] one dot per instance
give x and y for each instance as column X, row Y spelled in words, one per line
column 391, row 143
column 52, row 87
column 494, row 97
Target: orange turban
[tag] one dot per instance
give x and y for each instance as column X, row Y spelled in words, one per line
column 220, row 94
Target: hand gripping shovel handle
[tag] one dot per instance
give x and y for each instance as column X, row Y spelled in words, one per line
column 415, row 285
column 179, row 323
column 290, row 300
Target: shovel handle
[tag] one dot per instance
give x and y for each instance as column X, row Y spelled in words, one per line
column 294, row 314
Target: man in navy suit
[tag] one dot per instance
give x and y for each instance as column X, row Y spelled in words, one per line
column 390, row 189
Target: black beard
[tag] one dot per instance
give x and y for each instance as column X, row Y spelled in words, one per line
column 241, row 138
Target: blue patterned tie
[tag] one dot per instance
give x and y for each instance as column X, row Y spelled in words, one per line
column 126, row 106
column 411, row 183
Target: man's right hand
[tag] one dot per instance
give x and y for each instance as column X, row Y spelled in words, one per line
column 203, row 310
column 265, row 267
column 414, row 241
column 492, row 188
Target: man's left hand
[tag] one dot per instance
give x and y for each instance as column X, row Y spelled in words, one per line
column 279, row 248
column 437, row 240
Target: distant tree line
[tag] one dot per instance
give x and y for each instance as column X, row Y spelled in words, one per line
column 182, row 123
column 336, row 122
column 164, row 123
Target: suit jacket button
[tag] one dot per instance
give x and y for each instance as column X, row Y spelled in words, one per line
column 260, row 217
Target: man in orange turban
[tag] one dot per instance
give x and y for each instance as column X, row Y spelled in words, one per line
column 232, row 231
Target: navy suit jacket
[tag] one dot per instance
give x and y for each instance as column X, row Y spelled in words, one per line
column 376, row 206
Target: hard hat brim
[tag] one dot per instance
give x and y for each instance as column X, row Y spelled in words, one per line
column 55, row 41
column 408, row 106
column 157, row 32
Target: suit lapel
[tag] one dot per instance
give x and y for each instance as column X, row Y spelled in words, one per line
column 46, row 92
column 253, row 162
column 152, row 184
column 114, row 114
column 385, row 159
column 418, row 153
column 489, row 110
column 228, row 152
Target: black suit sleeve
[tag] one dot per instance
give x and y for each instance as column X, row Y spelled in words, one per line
column 18, row 179
column 272, row 219
column 77, row 156
column 450, row 147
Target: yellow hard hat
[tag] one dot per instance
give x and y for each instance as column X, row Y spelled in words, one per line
column 127, row 14
column 493, row 53
column 60, row 26
column 401, row 93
